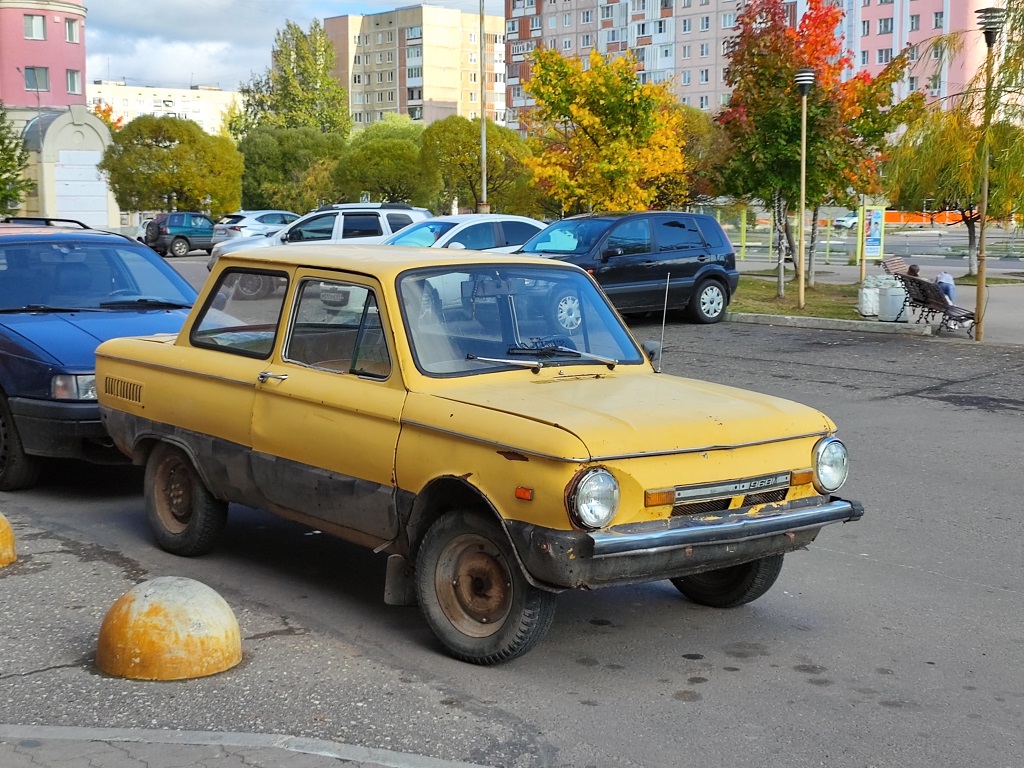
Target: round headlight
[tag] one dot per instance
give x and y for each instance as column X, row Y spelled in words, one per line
column 596, row 499
column 831, row 465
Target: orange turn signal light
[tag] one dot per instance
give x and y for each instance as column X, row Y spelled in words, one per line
column 803, row 477
column 526, row 494
column 663, row 498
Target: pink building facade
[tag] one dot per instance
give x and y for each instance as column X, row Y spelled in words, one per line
column 42, row 54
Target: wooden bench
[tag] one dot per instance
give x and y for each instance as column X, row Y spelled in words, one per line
column 894, row 265
column 929, row 300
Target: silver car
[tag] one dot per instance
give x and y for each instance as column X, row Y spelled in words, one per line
column 251, row 224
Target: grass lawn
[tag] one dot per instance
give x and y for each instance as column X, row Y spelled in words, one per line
column 758, row 295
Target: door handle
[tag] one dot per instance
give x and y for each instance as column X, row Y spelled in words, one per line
column 265, row 375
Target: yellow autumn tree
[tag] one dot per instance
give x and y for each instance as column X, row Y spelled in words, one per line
column 601, row 139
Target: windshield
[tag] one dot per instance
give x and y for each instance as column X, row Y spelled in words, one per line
column 422, row 235
column 470, row 319
column 88, row 275
column 576, row 236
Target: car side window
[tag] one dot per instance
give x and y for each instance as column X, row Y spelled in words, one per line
column 398, row 220
column 518, row 232
column 633, row 236
column 201, row 222
column 336, row 327
column 233, row 323
column 477, row 237
column 712, row 232
column 315, row 228
column 361, row 225
column 269, row 218
column 176, row 220
column 677, row 233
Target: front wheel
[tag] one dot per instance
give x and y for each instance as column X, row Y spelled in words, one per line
column 179, row 247
column 185, row 517
column 733, row 586
column 18, row 470
column 473, row 593
column 707, row 305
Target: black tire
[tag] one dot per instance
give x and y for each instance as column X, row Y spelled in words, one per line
column 708, row 302
column 253, row 287
column 733, row 586
column 473, row 593
column 184, row 516
column 565, row 309
column 18, row 470
column 179, row 247
column 152, row 233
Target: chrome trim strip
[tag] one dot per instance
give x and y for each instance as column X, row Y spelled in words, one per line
column 723, row 529
column 172, row 369
column 732, row 487
column 610, row 457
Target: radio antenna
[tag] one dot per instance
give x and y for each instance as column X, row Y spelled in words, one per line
column 664, row 316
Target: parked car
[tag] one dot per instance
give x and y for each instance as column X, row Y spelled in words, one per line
column 497, row 457
column 636, row 256
column 475, row 231
column 62, row 292
column 847, row 221
column 180, row 232
column 251, row 224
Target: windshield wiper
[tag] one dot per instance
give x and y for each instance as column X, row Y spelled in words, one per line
column 46, row 308
column 534, row 365
column 146, row 303
column 554, row 349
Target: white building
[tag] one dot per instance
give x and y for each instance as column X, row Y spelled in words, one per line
column 203, row 104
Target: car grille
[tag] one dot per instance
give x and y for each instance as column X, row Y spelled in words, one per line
column 709, row 506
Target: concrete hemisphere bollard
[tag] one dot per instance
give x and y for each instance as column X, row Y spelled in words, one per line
column 8, row 554
column 168, row 628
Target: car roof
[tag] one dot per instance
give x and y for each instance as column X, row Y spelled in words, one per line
column 383, row 261
column 30, row 233
column 458, row 218
column 612, row 215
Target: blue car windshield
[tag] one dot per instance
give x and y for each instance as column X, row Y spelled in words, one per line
column 70, row 275
column 477, row 318
column 422, row 235
column 569, row 236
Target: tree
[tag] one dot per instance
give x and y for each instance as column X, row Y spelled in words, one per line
column 298, row 90
column 105, row 112
column 155, row 162
column 451, row 153
column 13, row 163
column 601, row 139
column 290, row 168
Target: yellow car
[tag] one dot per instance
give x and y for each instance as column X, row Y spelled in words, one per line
column 431, row 407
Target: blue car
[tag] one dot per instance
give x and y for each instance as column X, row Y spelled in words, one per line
column 62, row 292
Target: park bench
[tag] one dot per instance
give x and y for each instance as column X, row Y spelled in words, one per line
column 930, row 301
column 894, row 265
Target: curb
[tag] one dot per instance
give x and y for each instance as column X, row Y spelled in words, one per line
column 827, row 324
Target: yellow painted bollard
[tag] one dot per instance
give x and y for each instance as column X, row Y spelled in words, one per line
column 7, row 552
column 168, row 628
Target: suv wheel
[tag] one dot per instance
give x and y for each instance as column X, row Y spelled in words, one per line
column 708, row 302
column 179, row 247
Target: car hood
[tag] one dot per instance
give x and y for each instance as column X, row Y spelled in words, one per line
column 70, row 339
column 641, row 414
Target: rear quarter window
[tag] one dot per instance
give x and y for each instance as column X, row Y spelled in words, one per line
column 712, row 232
column 398, row 220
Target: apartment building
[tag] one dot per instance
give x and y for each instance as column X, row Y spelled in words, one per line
column 685, row 43
column 203, row 104
column 423, row 61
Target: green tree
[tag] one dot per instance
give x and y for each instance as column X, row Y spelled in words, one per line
column 290, row 168
column 13, row 163
column 451, row 153
column 298, row 90
column 384, row 161
column 601, row 139
column 154, row 162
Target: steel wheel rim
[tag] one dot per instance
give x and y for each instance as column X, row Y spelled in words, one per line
column 712, row 301
column 179, row 248
column 244, row 283
column 474, row 585
column 174, row 494
column 567, row 311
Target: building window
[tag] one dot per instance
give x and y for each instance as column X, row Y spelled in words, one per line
column 686, row 25
column 415, row 72
column 391, row 36
column 552, row 22
column 885, row 26
column 912, row 83
column 915, row 22
column 703, row 102
column 567, row 20
column 472, row 57
column 659, row 27
column 380, row 77
column 512, row 26
column 728, row 20
column 937, row 18
column 685, row 3
column 607, row 11
column 391, row 96
column 638, row 6
column 35, row 27
column 536, row 22
column 380, row 38
column 641, row 29
column 472, row 37
column 704, row 76
column 391, row 75
column 71, row 31
column 37, row 79
column 586, row 17
column 380, row 58
column 865, row 28
column 391, row 57
column 357, row 79
column 566, row 43
column 666, row 52
column 912, row 53
column 411, row 33
column 472, row 96
column 686, row 51
column 705, row 50
column 585, row 41
column 74, row 81
column 884, row 55
column 863, row 58
column 686, row 77
column 357, row 59
column 705, row 23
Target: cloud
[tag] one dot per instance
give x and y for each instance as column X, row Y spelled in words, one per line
column 204, row 42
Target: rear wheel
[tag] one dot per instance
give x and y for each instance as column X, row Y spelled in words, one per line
column 179, row 247
column 731, row 587
column 18, row 470
column 565, row 307
column 253, row 286
column 707, row 305
column 185, row 517
column 473, row 593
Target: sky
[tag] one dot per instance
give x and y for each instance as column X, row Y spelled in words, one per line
column 180, row 43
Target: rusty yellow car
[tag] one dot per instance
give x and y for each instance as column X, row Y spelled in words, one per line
column 432, row 407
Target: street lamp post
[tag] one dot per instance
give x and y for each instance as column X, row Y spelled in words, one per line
column 991, row 22
column 804, row 81
column 483, row 206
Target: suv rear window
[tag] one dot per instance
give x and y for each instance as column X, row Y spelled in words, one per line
column 230, row 219
column 398, row 220
column 712, row 232
column 361, row 225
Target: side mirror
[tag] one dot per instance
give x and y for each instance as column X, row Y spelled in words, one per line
column 455, row 247
column 608, row 253
column 284, row 237
column 653, row 351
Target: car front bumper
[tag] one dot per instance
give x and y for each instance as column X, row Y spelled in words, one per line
column 680, row 546
column 63, row 430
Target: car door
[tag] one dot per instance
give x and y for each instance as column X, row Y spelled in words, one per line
column 681, row 253
column 625, row 267
column 475, row 237
column 359, row 226
column 201, row 231
column 516, row 232
column 327, row 412
column 315, row 229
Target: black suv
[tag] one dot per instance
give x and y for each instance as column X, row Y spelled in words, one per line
column 180, row 232
column 634, row 256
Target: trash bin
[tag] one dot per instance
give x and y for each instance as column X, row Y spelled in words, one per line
column 867, row 301
column 890, row 304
